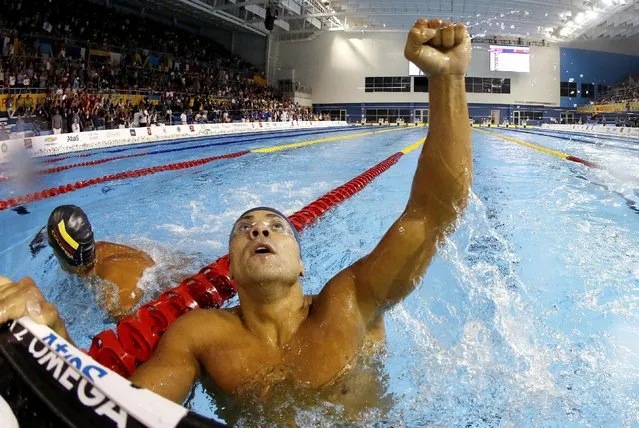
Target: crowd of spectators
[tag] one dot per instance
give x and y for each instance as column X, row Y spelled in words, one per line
column 78, row 61
column 626, row 91
column 627, row 120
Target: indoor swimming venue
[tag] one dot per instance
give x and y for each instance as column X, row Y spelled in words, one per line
column 319, row 213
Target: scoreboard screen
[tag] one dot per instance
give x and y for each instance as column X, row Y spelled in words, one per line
column 509, row 58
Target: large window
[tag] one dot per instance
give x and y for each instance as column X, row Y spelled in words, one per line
column 420, row 84
column 335, row 114
column 532, row 115
column 389, row 115
column 588, row 90
column 602, row 89
column 568, row 89
column 487, row 85
column 388, row 84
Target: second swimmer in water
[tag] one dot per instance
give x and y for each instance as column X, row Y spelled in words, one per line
column 70, row 235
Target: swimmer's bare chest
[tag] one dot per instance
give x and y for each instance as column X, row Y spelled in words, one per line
column 320, row 353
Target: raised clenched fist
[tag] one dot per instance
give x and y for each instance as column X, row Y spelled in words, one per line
column 438, row 48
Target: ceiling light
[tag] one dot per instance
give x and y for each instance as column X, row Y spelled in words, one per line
column 591, row 14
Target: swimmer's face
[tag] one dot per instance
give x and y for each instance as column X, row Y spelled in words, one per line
column 76, row 270
column 263, row 250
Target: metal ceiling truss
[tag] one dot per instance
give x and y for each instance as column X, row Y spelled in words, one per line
column 531, row 20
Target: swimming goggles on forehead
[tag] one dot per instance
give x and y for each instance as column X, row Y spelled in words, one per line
column 274, row 224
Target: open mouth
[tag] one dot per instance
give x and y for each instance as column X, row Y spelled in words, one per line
column 263, row 249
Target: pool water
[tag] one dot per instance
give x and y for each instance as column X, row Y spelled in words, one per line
column 528, row 314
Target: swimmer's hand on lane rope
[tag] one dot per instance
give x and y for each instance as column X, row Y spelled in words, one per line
column 438, row 48
column 21, row 298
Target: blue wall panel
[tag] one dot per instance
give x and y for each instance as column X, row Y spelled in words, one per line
column 584, row 66
column 355, row 111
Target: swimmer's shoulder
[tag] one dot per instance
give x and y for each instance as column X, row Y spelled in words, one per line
column 207, row 333
column 207, row 325
column 108, row 251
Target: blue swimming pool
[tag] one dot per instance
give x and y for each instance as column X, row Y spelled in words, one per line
column 528, row 314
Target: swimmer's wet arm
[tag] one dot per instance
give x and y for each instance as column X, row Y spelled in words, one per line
column 441, row 183
column 23, row 297
column 442, row 180
column 174, row 366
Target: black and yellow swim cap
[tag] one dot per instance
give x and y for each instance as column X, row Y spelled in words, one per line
column 71, row 236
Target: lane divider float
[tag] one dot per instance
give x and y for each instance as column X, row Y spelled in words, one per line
column 556, row 153
column 76, row 165
column 60, row 159
column 261, row 136
column 162, row 151
column 555, row 134
column 55, row 191
column 137, row 335
column 321, row 140
column 617, row 174
column 71, row 187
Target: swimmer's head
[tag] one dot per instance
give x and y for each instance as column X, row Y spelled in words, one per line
column 264, row 248
column 71, row 238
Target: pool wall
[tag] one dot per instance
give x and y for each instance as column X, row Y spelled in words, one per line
column 65, row 143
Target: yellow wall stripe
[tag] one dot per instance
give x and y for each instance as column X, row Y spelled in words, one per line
column 63, row 231
column 322, row 140
column 523, row 143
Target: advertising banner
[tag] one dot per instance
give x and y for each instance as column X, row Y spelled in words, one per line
column 596, row 129
column 65, row 143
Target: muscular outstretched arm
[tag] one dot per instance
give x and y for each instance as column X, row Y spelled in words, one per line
column 174, row 366
column 441, row 183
